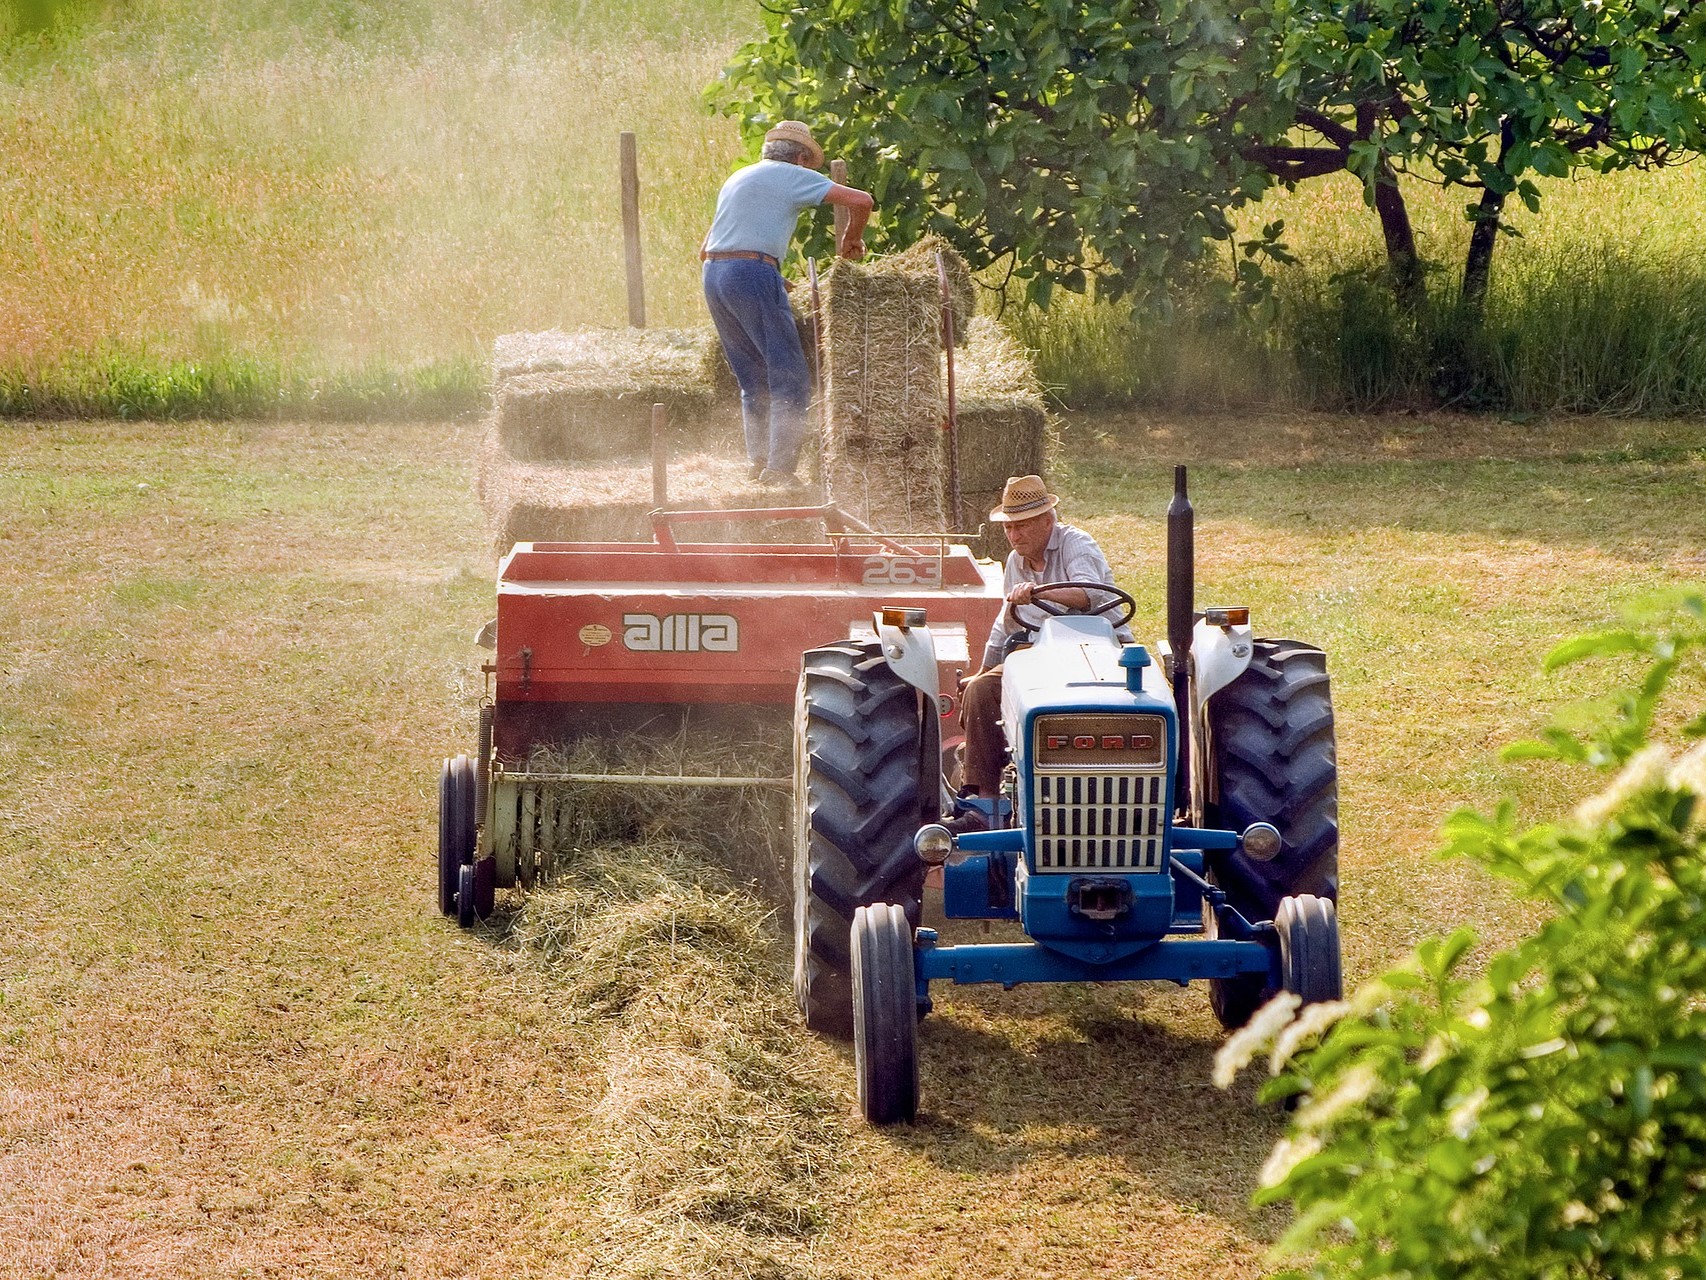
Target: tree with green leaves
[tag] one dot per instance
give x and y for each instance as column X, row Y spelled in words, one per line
column 1121, row 138
column 1546, row 1116
column 1485, row 95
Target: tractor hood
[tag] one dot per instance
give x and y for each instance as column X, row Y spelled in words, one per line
column 1075, row 664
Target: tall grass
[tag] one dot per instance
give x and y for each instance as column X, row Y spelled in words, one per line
column 1595, row 307
column 333, row 206
column 294, row 195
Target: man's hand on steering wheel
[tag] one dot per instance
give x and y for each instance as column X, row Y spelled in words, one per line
column 1122, row 600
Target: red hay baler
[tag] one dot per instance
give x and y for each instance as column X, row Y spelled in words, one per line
column 585, row 629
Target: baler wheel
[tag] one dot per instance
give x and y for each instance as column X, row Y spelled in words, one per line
column 1308, row 929
column 465, row 895
column 859, row 795
column 885, row 1014
column 455, row 827
column 1273, row 760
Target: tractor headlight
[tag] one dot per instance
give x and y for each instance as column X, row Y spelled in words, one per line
column 1261, row 840
column 934, row 843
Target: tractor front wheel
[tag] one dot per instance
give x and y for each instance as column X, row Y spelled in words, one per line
column 860, row 791
column 885, row 1015
column 1308, row 929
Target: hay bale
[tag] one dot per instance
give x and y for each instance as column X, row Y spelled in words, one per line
column 1004, row 427
column 884, row 397
column 589, row 394
column 611, row 502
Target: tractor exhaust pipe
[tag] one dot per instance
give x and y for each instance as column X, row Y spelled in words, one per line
column 1181, row 618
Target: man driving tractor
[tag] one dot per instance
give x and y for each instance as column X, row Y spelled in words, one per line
column 1045, row 550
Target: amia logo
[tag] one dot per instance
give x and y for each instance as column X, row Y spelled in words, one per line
column 681, row 633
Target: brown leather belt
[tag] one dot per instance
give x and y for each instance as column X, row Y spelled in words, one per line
column 749, row 255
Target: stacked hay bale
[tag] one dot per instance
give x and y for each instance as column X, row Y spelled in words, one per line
column 590, row 394
column 567, row 452
column 885, row 396
column 1004, row 429
column 886, row 399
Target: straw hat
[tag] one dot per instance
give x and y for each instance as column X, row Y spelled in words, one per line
column 1021, row 498
column 795, row 131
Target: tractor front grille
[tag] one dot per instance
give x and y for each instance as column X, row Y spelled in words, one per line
column 1099, row 821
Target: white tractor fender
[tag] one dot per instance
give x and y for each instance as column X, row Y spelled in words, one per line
column 911, row 653
column 1219, row 655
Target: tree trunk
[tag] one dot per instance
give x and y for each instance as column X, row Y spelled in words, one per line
column 1401, row 257
column 1478, row 266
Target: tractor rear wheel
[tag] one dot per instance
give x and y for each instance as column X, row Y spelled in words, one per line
column 455, row 827
column 1308, row 929
column 885, row 1014
column 1272, row 754
column 860, row 788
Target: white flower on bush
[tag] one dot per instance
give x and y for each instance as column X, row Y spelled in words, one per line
column 1646, row 769
column 1311, row 1022
column 1240, row 1047
column 1287, row 1154
column 1353, row 1089
column 1689, row 772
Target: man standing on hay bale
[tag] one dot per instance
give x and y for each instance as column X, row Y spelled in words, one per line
column 743, row 251
column 1044, row 550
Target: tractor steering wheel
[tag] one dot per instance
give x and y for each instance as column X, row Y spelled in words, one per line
column 1122, row 600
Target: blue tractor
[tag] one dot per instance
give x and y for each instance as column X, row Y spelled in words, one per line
column 1160, row 821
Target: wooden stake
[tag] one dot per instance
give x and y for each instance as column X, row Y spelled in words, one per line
column 838, row 175
column 631, row 231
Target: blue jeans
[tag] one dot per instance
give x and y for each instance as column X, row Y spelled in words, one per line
column 750, row 308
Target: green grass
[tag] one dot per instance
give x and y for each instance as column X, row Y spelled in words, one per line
column 1595, row 308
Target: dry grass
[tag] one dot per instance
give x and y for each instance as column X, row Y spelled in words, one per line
column 237, row 1036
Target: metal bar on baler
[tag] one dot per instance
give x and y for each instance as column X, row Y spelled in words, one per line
column 648, row 779
column 952, row 425
column 660, row 455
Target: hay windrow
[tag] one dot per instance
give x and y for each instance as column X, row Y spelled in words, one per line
column 718, row 1126
column 745, row 829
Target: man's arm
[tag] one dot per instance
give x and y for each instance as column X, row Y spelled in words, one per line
column 858, row 205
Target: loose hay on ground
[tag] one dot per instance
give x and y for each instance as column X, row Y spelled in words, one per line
column 716, row 1133
column 745, row 829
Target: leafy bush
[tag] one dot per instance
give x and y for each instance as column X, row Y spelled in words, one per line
column 1548, row 1117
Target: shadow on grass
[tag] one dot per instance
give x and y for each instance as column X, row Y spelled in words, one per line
column 1100, row 1077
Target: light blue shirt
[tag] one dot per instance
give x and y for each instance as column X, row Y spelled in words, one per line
column 759, row 205
column 1071, row 556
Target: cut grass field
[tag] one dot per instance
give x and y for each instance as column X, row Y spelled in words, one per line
column 237, row 1038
